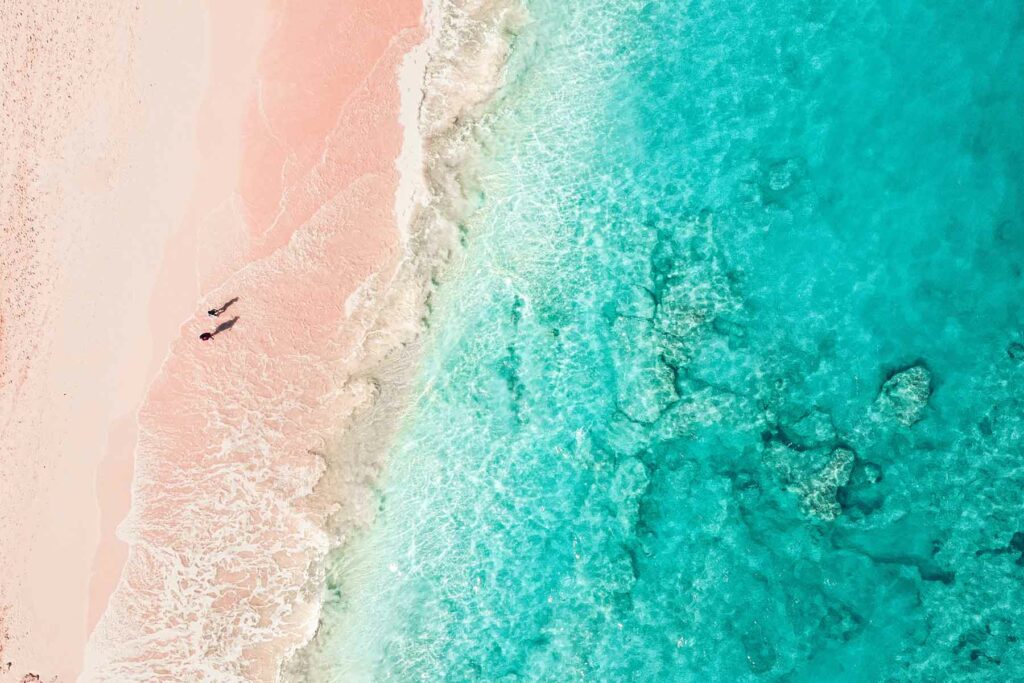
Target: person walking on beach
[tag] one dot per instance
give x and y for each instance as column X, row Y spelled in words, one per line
column 214, row 312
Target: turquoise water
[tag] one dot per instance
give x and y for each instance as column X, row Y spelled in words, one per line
column 730, row 386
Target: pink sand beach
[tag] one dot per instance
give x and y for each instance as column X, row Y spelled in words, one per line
column 166, row 159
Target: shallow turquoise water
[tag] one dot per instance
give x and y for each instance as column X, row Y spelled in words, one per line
column 730, row 385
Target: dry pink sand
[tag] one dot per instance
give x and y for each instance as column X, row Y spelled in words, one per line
column 172, row 156
column 94, row 180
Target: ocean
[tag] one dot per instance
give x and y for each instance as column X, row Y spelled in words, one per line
column 728, row 382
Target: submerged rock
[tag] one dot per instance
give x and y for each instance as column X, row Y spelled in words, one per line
column 819, row 492
column 904, row 396
column 815, row 476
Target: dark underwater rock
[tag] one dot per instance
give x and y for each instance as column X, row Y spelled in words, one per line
column 862, row 494
column 1015, row 547
column 907, row 540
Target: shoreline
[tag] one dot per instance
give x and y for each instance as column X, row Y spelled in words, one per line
column 382, row 215
column 269, row 418
column 464, row 39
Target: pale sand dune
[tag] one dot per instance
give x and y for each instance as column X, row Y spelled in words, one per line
column 152, row 158
column 97, row 169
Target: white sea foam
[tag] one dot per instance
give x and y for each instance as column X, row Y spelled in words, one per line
column 447, row 85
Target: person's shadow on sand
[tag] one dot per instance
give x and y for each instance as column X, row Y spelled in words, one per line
column 226, row 325
column 223, row 327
